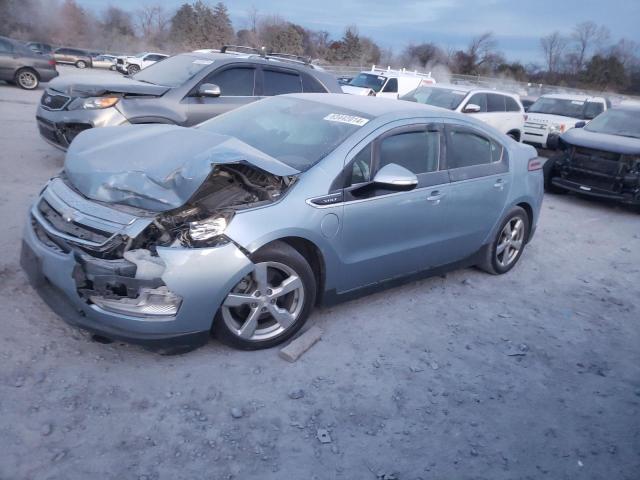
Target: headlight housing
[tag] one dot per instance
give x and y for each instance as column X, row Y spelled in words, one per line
column 95, row 103
column 557, row 128
column 209, row 228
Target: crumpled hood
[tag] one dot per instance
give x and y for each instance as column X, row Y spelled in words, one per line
column 82, row 86
column 154, row 167
column 602, row 141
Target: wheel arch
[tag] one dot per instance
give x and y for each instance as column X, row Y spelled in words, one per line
column 312, row 253
column 529, row 211
column 515, row 132
column 26, row 67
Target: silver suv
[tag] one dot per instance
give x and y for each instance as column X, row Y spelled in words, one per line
column 242, row 224
column 185, row 89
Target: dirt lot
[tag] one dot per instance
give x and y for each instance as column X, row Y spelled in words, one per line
column 534, row 374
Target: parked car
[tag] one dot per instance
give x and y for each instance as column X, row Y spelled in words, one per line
column 38, row 47
column 601, row 158
column 501, row 110
column 22, row 66
column 158, row 234
column 132, row 65
column 72, row 56
column 184, row 90
column 104, row 61
column 553, row 114
column 387, row 83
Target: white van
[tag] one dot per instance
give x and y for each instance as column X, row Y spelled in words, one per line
column 387, row 83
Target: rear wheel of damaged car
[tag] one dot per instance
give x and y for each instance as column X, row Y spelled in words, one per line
column 506, row 248
column 269, row 305
column 27, row 79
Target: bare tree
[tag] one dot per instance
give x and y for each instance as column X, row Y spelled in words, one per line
column 254, row 17
column 553, row 46
column 588, row 37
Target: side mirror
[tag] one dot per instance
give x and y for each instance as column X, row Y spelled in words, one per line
column 395, row 177
column 471, row 108
column 580, row 124
column 209, row 90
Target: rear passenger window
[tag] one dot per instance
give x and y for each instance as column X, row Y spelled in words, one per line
column 495, row 103
column 5, row 47
column 418, row 152
column 311, row 85
column 479, row 99
column 234, row 82
column 278, row 83
column 512, row 105
column 391, row 86
column 466, row 149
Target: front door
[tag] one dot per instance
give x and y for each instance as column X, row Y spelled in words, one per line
column 387, row 233
column 237, row 87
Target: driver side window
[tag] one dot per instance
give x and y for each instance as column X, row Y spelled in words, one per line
column 234, row 82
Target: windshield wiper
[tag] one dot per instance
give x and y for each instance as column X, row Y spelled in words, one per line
column 144, row 81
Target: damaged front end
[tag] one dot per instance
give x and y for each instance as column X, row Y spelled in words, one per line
column 143, row 266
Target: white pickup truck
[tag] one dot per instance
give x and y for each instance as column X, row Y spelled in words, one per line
column 554, row 114
column 387, row 83
column 133, row 64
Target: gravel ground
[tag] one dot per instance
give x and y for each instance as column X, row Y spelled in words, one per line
column 534, row 374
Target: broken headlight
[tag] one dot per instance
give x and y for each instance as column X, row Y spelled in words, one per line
column 209, row 228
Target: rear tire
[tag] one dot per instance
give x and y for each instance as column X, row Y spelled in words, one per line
column 271, row 304
column 81, row 64
column 506, row 248
column 27, row 79
column 133, row 69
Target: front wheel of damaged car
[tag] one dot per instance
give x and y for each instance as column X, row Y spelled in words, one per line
column 269, row 305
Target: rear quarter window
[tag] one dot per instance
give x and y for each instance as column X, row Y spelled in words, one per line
column 311, row 85
column 495, row 102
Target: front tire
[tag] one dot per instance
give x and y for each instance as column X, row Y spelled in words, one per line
column 133, row 69
column 271, row 304
column 81, row 64
column 507, row 247
column 27, row 79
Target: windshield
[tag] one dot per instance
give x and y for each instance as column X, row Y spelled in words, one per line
column 567, row 108
column 368, row 80
column 625, row 123
column 173, row 71
column 297, row 132
column 436, row 96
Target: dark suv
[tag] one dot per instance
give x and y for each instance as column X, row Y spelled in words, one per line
column 185, row 89
column 72, row 56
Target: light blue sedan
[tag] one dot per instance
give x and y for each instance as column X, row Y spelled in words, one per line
column 160, row 235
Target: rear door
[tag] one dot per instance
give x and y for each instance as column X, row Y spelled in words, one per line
column 386, row 233
column 279, row 81
column 237, row 84
column 480, row 181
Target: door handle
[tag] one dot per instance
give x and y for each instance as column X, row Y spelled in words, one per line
column 435, row 197
column 499, row 184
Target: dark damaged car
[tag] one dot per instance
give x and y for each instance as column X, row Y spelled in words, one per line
column 184, row 90
column 600, row 159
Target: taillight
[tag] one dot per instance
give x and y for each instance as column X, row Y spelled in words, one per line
column 535, row 164
column 52, row 62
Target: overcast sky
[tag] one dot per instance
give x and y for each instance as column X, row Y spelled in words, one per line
column 517, row 24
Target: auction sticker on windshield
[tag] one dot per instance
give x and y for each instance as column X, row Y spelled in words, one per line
column 202, row 62
column 350, row 119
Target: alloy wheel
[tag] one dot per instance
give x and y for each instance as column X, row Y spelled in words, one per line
column 27, row 80
column 511, row 241
column 265, row 303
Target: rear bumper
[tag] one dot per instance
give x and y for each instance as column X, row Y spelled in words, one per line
column 628, row 198
column 201, row 277
column 47, row 75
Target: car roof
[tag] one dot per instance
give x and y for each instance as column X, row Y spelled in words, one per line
column 238, row 57
column 471, row 88
column 632, row 105
column 370, row 106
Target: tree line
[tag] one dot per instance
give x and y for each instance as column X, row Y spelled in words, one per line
column 584, row 57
